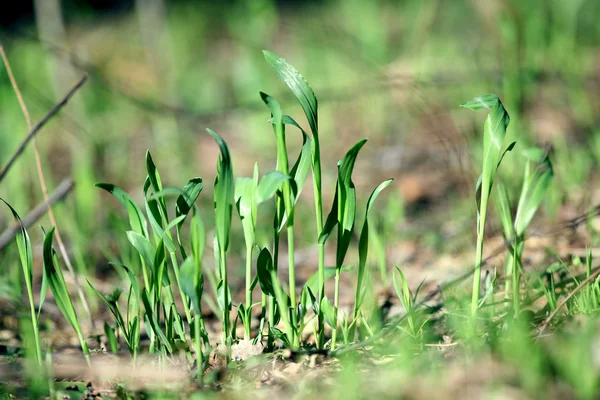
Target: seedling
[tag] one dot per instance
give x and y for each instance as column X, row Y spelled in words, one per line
column 58, row 286
column 494, row 132
column 26, row 258
column 537, row 179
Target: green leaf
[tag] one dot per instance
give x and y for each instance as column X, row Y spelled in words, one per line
column 153, row 322
column 269, row 185
column 169, row 191
column 328, row 312
column 245, row 202
column 488, row 101
column 43, row 292
column 153, row 174
column 343, row 209
column 56, row 283
column 161, row 275
column 298, row 85
column 332, row 219
column 403, row 291
column 505, row 211
column 536, row 183
column 223, row 193
column 509, row 148
column 111, row 306
column 190, row 194
column 221, row 296
column 495, row 127
column 197, row 238
column 136, row 217
column 313, row 281
column 307, row 300
column 301, row 168
column 244, row 197
column 24, row 248
column 112, row 338
column 192, row 285
column 154, row 216
column 363, row 243
column 264, row 267
column 144, row 248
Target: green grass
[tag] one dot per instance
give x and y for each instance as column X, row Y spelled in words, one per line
column 185, row 253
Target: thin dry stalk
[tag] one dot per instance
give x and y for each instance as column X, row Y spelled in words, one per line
column 40, row 172
column 55, row 109
column 61, row 191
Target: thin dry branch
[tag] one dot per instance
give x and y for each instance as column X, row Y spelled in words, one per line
column 59, row 193
column 55, row 109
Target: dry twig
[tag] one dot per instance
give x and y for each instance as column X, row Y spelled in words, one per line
column 59, row 193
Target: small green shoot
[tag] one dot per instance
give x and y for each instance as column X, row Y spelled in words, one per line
column 495, row 126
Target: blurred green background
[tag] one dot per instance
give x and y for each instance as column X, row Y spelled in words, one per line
column 392, row 71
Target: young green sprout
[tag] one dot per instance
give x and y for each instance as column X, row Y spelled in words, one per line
column 249, row 194
column 223, row 196
column 308, row 101
column 537, row 179
column 342, row 215
column 494, row 132
column 58, row 286
column 26, row 258
column 363, row 251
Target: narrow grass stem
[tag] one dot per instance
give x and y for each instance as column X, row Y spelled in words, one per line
column 321, row 246
column 186, row 306
column 84, row 348
column 336, row 300
column 479, row 254
column 272, row 300
column 145, row 273
column 283, row 164
column 515, row 285
column 199, row 355
column 320, row 319
column 516, row 278
column 34, row 323
column 477, row 276
column 223, row 268
column 263, row 313
column 292, row 282
column 248, row 290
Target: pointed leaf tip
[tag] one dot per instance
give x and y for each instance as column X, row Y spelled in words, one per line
column 480, row 102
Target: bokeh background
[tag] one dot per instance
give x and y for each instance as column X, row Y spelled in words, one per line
column 161, row 71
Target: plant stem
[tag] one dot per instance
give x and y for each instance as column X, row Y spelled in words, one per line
column 184, row 298
column 145, row 272
column 248, row 291
column 316, row 166
column 199, row 355
column 292, row 280
column 479, row 253
column 320, row 319
column 84, row 347
column 263, row 313
column 282, row 162
column 336, row 300
column 34, row 323
column 516, row 277
column 223, row 267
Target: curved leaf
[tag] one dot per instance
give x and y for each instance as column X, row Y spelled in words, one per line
column 269, row 185
column 298, row 85
column 223, row 192
column 136, row 217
